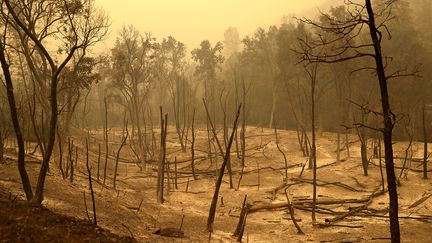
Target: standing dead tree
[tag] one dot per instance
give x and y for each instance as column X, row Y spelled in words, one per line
column 312, row 74
column 105, row 139
column 162, row 158
column 193, row 145
column 343, row 43
column 212, row 210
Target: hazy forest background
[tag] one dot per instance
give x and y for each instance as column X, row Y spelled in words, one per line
column 63, row 98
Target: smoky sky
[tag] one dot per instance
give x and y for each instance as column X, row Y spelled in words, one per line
column 191, row 21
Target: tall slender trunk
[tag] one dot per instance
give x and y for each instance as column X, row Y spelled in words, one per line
column 388, row 127
column 313, row 147
column 106, row 140
column 193, row 145
column 162, row 154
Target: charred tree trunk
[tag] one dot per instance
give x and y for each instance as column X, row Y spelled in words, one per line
column 162, row 154
column 388, row 126
column 212, row 210
column 313, row 147
column 193, row 146
column 106, row 140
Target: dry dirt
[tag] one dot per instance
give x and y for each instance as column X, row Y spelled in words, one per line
column 131, row 209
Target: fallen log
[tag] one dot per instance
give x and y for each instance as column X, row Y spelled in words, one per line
column 304, row 202
column 338, row 225
column 358, row 209
column 325, row 183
